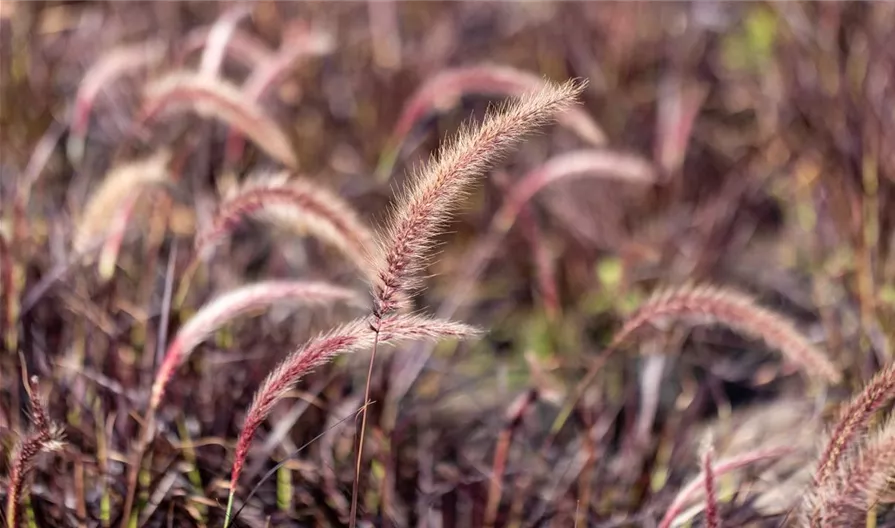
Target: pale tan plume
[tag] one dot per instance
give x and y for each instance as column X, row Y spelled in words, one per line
column 44, row 437
column 350, row 337
column 854, row 419
column 711, row 304
column 215, row 98
column 101, row 74
column 299, row 205
column 228, row 306
column 425, row 207
column 118, row 190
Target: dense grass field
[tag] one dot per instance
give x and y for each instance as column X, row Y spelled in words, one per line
column 446, row 264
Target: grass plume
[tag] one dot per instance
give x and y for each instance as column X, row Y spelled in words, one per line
column 353, row 336
column 448, row 86
column 425, row 207
column 221, row 100
column 231, row 305
column 737, row 311
column 101, row 74
column 117, row 192
column 854, row 420
column 45, row 437
column 299, row 205
column 689, row 491
column 845, row 498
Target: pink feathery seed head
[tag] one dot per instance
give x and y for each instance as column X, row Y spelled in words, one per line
column 233, row 304
column 858, row 483
column 486, row 79
column 45, row 436
column 215, row 98
column 739, row 312
column 350, row 337
column 105, row 71
column 299, row 205
column 425, row 206
column 854, row 420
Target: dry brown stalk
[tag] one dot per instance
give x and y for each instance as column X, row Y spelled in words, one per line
column 738, row 311
column 45, row 437
column 219, row 99
column 513, row 418
column 350, row 337
column 301, row 206
column 423, row 210
column 232, row 304
column 118, row 191
column 854, row 420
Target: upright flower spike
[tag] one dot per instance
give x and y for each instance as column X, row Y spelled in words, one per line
column 423, row 210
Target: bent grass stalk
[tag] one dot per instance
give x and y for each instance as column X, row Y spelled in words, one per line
column 101, row 74
column 300, row 44
column 738, row 311
column 447, row 87
column 299, row 205
column 222, row 100
column 722, row 467
column 350, row 337
column 233, row 304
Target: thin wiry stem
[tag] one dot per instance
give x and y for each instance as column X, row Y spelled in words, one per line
column 355, row 490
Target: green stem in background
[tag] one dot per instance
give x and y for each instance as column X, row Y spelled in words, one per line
column 229, row 506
